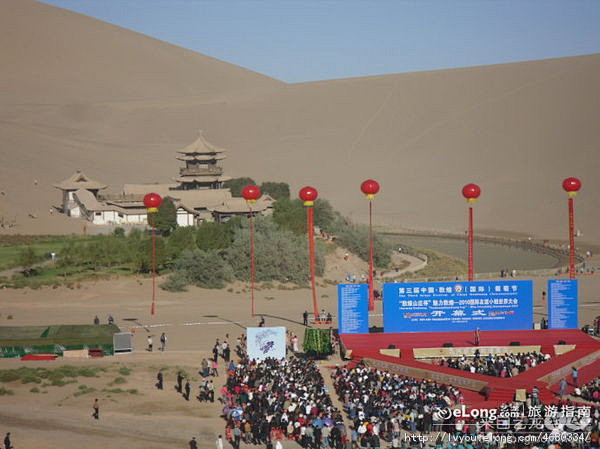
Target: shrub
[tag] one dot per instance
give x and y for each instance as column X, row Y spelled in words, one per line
column 280, row 254
column 34, row 390
column 5, row 392
column 277, row 190
column 176, row 282
column 236, row 185
column 201, row 268
column 125, row 371
column 9, row 375
column 119, row 380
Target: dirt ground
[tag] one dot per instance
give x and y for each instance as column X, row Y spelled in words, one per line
column 192, row 320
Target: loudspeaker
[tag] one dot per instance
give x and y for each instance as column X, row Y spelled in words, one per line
column 515, row 343
column 448, row 345
column 562, row 342
column 391, row 346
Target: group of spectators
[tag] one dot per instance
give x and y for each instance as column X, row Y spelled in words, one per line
column 381, row 404
column 507, row 365
column 589, row 391
column 387, row 407
column 272, row 400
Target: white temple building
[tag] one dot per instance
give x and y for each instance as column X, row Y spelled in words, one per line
column 197, row 194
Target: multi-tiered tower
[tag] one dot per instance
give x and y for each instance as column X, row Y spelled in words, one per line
column 201, row 169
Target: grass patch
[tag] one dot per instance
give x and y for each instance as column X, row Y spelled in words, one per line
column 6, row 392
column 84, row 389
column 57, row 377
column 113, row 390
column 125, row 371
column 132, row 391
column 118, row 381
column 34, row 390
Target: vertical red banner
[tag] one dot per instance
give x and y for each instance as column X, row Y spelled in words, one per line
column 470, row 255
column 571, row 239
column 311, row 255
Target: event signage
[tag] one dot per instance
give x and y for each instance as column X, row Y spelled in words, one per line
column 353, row 308
column 562, row 304
column 264, row 342
column 457, row 306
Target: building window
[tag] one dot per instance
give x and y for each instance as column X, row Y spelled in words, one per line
column 98, row 214
column 120, row 215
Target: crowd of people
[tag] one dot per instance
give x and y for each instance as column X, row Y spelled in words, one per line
column 381, row 404
column 390, row 408
column 498, row 365
column 271, row 400
column 589, row 391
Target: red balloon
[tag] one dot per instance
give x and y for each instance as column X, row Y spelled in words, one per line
column 572, row 184
column 471, row 191
column 308, row 193
column 369, row 187
column 152, row 200
column 251, row 193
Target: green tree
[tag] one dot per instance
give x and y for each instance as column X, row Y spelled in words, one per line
column 26, row 259
column 212, row 235
column 201, row 268
column 277, row 190
column 236, row 185
column 290, row 215
column 166, row 217
column 141, row 253
column 280, row 254
column 182, row 238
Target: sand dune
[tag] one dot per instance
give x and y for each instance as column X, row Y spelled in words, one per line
column 117, row 104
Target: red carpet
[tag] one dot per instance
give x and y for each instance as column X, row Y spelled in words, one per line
column 584, row 355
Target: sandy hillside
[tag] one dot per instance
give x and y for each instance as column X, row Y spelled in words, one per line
column 117, row 104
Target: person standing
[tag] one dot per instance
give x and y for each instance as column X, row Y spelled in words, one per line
column 210, row 391
column 163, row 342
column 575, row 376
column 477, row 337
column 563, row 387
column 305, row 318
column 219, row 442
column 96, row 408
column 179, row 386
column 193, row 444
column 214, row 368
column 7, row 443
column 187, row 390
column 159, row 378
column 149, row 343
column 226, row 351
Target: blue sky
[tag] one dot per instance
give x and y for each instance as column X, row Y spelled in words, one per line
column 307, row 40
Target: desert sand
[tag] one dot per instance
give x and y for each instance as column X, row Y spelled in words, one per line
column 78, row 93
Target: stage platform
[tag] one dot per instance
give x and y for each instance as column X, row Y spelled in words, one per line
column 399, row 353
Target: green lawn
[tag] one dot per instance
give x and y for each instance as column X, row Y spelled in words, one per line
column 10, row 247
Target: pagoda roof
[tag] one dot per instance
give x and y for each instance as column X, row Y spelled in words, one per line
column 80, row 180
column 201, row 179
column 89, row 201
column 201, row 146
column 201, row 157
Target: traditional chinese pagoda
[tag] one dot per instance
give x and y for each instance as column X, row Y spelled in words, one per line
column 201, row 169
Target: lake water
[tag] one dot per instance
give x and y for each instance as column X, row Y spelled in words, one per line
column 489, row 257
